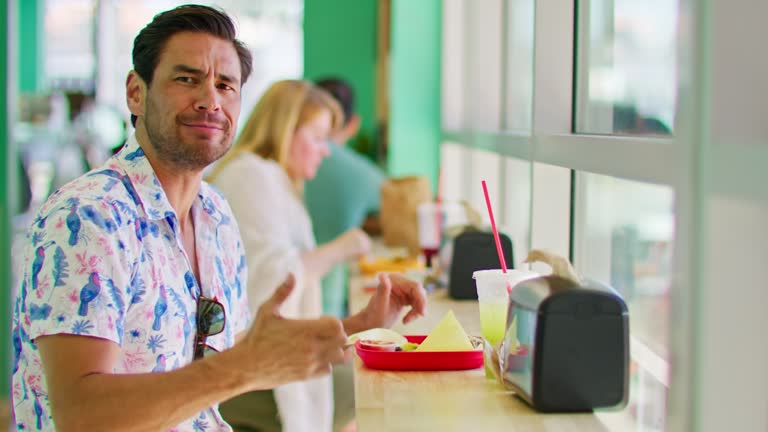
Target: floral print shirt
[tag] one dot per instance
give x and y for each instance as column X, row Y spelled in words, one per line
column 104, row 258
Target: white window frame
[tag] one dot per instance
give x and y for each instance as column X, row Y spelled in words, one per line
column 551, row 141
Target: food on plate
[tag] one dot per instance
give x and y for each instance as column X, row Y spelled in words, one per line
column 448, row 335
column 377, row 345
column 378, row 334
column 388, row 264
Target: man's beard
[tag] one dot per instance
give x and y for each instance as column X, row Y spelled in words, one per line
column 170, row 147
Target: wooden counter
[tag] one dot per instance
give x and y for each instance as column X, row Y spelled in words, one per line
column 5, row 415
column 450, row 401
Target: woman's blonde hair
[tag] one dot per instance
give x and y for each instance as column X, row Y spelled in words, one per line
column 285, row 107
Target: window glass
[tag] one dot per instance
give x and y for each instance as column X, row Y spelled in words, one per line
column 550, row 210
column 626, row 63
column 482, row 65
column 647, row 399
column 509, row 188
column 624, row 232
column 519, row 30
column 486, row 166
column 515, row 217
column 70, row 61
column 452, row 168
column 452, row 70
column 624, row 237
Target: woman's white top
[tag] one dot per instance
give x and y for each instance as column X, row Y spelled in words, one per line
column 276, row 230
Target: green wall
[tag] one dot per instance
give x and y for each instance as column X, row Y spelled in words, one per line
column 5, row 210
column 340, row 39
column 414, row 93
column 30, row 54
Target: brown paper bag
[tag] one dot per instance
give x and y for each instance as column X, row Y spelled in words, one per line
column 400, row 198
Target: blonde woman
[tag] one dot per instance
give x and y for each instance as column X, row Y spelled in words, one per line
column 281, row 146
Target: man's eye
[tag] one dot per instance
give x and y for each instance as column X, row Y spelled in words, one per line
column 226, row 87
column 184, row 79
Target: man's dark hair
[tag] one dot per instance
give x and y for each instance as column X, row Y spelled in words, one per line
column 342, row 91
column 151, row 40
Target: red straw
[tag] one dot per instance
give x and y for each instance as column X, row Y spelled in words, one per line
column 496, row 235
column 495, row 231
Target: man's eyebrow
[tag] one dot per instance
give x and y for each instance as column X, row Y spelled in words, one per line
column 198, row 72
column 187, row 69
column 229, row 79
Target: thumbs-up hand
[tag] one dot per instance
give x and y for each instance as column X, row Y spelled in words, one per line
column 278, row 350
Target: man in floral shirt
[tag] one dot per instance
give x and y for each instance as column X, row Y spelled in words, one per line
column 129, row 267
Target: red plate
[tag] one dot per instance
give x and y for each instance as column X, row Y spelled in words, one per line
column 417, row 360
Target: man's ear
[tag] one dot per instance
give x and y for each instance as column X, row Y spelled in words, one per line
column 135, row 93
column 352, row 126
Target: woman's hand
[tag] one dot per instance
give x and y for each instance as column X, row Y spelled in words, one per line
column 394, row 293
column 354, row 242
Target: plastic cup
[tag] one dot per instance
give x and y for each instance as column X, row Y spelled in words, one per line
column 433, row 219
column 493, row 298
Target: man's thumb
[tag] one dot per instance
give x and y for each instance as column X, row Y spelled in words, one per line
column 283, row 291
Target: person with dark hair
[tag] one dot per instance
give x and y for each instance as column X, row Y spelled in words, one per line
column 135, row 273
column 343, row 194
column 150, row 42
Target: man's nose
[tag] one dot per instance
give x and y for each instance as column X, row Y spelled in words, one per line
column 208, row 98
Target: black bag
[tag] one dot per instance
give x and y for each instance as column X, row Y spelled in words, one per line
column 475, row 250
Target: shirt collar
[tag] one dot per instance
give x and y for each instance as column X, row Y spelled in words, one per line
column 143, row 180
column 149, row 191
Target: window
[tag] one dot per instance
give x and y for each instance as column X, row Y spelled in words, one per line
column 573, row 121
column 515, row 194
column 70, row 60
column 475, row 104
column 517, row 77
column 624, row 237
column 627, row 75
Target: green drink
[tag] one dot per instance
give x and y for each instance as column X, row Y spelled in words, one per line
column 493, row 319
column 493, row 287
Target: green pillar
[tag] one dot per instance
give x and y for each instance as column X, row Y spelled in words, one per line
column 30, row 37
column 6, row 209
column 414, row 88
column 340, row 39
